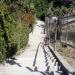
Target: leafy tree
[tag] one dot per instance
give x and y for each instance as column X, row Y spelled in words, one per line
column 60, row 8
column 41, row 7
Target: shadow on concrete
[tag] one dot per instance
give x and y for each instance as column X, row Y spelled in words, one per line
column 35, row 68
column 12, row 62
column 29, row 69
column 34, row 62
column 42, row 72
column 45, row 55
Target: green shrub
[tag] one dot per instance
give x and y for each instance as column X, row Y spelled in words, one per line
column 2, row 49
column 17, row 34
column 3, row 44
column 13, row 34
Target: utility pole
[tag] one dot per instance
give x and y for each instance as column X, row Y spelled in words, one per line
column 55, row 20
column 67, row 30
column 45, row 25
column 49, row 30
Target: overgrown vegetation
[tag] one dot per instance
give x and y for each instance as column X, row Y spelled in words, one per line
column 14, row 27
column 60, row 7
column 16, row 18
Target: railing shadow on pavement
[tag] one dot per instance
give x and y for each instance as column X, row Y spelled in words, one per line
column 34, row 62
column 30, row 69
column 46, row 60
column 42, row 72
column 35, row 69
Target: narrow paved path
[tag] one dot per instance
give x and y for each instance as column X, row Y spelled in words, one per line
column 23, row 65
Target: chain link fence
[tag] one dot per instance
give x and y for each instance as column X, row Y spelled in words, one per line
column 62, row 30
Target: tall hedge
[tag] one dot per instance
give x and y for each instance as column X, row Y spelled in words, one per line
column 14, row 30
column 2, row 46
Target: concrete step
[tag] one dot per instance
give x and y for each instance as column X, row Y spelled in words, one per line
column 40, row 68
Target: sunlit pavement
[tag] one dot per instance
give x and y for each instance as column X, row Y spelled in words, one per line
column 23, row 64
column 35, row 60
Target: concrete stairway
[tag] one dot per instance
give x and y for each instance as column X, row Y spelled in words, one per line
column 46, row 62
column 30, row 63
